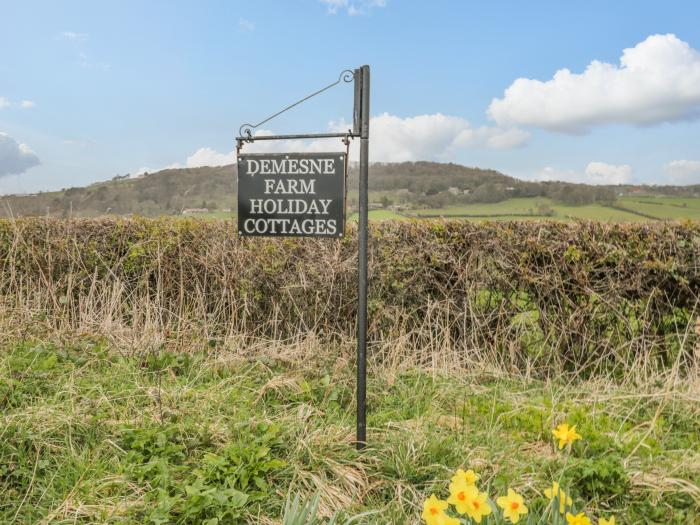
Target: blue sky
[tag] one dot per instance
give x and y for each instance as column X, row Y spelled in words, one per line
column 89, row 90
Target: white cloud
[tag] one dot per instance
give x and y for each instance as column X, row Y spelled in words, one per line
column 595, row 173
column 550, row 173
column 683, row 171
column 15, row 158
column 75, row 37
column 24, row 104
column 434, row 137
column 352, row 7
column 246, row 25
column 658, row 80
column 394, row 139
column 602, row 173
column 209, row 157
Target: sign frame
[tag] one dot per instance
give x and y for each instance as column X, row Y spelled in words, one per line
column 291, row 194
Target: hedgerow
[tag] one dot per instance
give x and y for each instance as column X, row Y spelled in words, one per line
column 545, row 295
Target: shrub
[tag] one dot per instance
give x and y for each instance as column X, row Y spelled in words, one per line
column 577, row 296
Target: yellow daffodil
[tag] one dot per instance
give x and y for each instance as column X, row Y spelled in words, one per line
column 557, row 491
column 579, row 519
column 460, row 495
column 610, row 521
column 469, row 477
column 513, row 506
column 468, row 500
column 565, row 434
column 434, row 512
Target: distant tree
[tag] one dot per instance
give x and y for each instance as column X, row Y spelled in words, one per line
column 574, row 194
column 606, row 196
column 437, row 200
column 544, row 209
column 489, row 193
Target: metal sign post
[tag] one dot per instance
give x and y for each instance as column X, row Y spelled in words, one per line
column 362, row 262
column 262, row 214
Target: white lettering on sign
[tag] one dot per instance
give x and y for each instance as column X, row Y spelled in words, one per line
column 290, row 166
column 289, row 206
column 290, row 226
column 291, row 194
column 290, row 186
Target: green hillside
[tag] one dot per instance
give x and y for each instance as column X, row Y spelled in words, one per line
column 166, row 192
column 398, row 190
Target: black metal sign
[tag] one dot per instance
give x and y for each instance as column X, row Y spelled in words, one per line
column 291, row 195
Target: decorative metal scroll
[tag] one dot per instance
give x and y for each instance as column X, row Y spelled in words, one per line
column 246, row 130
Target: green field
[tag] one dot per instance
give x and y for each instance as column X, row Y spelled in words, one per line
column 89, row 435
column 526, row 208
column 664, row 207
column 675, row 201
column 509, row 207
column 639, row 209
column 657, row 208
column 595, row 212
column 380, row 215
column 667, row 208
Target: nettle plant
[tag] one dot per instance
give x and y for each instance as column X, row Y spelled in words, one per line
column 467, row 504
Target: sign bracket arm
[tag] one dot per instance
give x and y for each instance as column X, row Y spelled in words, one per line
column 245, row 132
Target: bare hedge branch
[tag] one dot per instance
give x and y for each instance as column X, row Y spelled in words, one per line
column 550, row 296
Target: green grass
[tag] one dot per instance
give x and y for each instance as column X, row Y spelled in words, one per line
column 508, row 207
column 380, row 215
column 90, row 436
column 596, row 212
column 664, row 208
column 509, row 210
column 688, row 202
column 670, row 208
